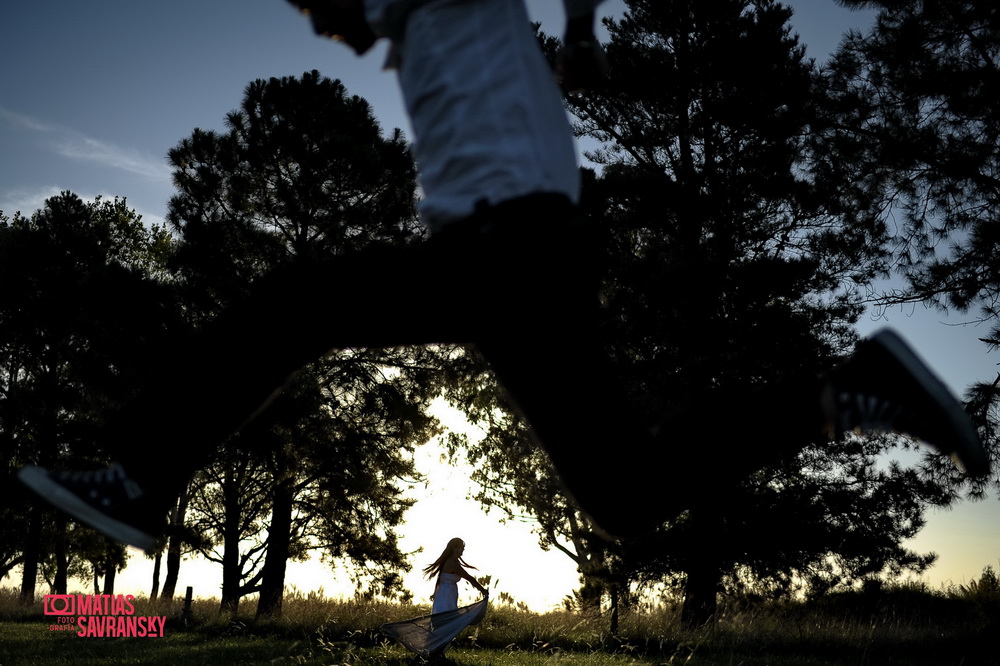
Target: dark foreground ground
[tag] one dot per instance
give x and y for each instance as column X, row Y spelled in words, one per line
column 901, row 627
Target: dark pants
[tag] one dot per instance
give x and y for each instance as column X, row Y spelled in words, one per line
column 520, row 281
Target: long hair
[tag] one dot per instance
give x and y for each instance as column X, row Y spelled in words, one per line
column 435, row 568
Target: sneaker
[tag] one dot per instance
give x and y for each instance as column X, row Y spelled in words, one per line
column 107, row 500
column 885, row 387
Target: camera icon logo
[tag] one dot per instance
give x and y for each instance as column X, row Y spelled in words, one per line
column 59, row 604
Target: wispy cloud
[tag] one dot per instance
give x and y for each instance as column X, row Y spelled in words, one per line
column 26, row 201
column 92, row 150
column 75, row 145
column 26, row 121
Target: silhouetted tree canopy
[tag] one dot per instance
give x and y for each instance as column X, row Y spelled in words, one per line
column 83, row 302
column 914, row 109
column 748, row 198
column 732, row 263
column 304, row 172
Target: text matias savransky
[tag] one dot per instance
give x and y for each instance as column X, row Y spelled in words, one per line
column 101, row 615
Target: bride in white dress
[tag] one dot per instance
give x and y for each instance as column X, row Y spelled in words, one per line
column 430, row 635
column 450, row 569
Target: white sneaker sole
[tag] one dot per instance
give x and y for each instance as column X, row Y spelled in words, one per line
column 970, row 454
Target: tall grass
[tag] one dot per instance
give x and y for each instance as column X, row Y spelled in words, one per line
column 901, row 625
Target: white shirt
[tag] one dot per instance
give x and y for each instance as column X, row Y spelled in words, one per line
column 486, row 111
column 381, row 12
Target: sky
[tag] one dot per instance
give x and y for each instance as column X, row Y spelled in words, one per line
column 94, row 94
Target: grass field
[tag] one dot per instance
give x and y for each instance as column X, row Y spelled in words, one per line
column 897, row 627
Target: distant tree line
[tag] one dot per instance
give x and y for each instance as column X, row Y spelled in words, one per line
column 746, row 194
column 85, row 303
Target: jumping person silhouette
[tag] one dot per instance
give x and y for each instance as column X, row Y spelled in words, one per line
column 509, row 267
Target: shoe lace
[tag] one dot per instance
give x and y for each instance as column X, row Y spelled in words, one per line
column 868, row 413
column 112, row 476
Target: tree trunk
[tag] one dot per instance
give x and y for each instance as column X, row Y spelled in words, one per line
column 32, row 546
column 230, row 603
column 173, row 569
column 704, row 570
column 110, row 571
column 174, row 545
column 60, row 581
column 701, row 601
column 155, row 592
column 279, row 536
column 232, row 572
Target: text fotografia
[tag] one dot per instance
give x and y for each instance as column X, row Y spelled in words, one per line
column 101, row 616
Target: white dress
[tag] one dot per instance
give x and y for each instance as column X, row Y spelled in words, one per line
column 431, row 633
column 446, row 596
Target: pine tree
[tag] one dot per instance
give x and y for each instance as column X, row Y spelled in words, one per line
column 914, row 112
column 304, row 172
column 731, row 265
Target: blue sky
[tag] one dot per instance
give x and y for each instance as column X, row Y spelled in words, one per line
column 94, row 94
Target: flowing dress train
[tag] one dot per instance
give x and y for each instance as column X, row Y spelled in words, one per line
column 430, row 633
